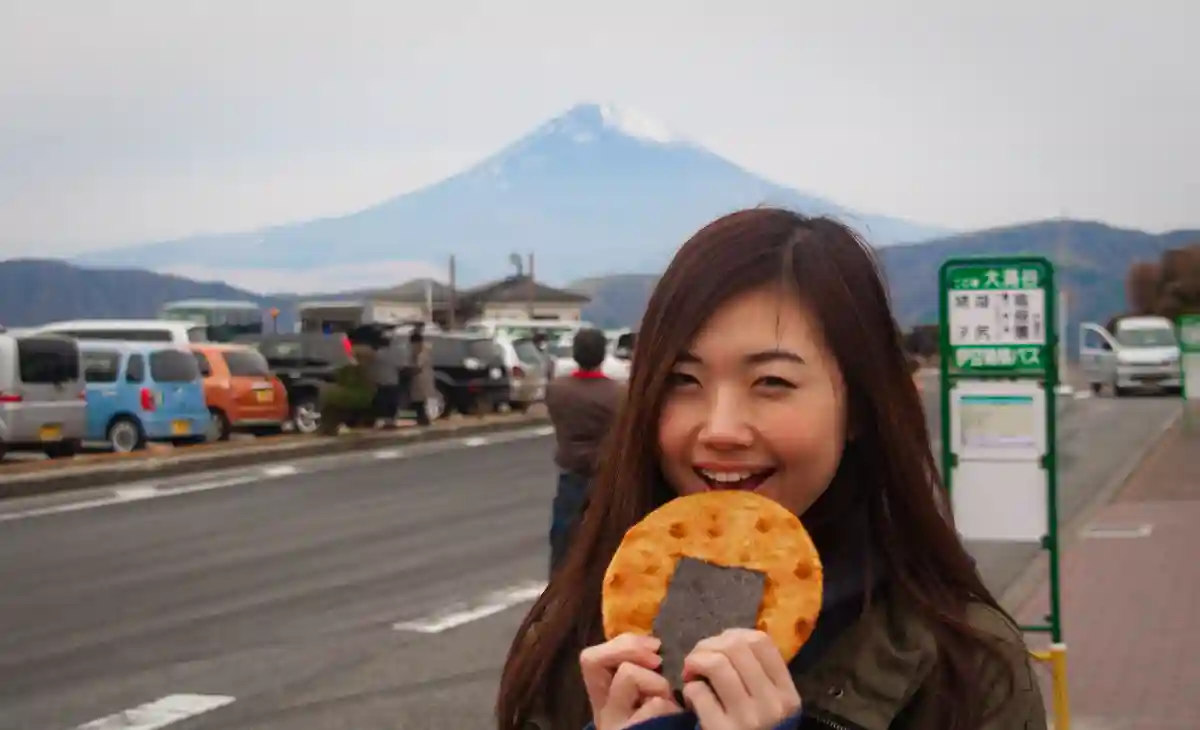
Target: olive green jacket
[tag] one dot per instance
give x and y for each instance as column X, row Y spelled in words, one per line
column 875, row 677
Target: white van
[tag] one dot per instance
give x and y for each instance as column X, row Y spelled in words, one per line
column 1142, row 352
column 129, row 330
column 43, row 402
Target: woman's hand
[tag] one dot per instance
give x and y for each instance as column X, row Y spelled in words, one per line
column 739, row 681
column 622, row 683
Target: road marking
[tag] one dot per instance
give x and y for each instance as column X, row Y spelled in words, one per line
column 136, row 492
column 61, row 509
column 160, row 713
column 207, row 486
column 1117, row 532
column 464, row 613
column 131, row 494
column 1083, row 394
column 280, row 470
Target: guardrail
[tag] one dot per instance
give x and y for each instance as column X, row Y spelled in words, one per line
column 23, row 479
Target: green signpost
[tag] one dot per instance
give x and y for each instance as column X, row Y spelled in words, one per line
column 999, row 375
column 1189, row 363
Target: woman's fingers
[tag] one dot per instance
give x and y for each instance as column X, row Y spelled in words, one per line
column 599, row 663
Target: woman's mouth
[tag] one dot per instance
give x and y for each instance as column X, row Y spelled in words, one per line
column 745, row 479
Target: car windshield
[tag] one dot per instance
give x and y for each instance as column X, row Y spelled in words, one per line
column 1156, row 337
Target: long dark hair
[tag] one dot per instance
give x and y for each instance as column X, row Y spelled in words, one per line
column 895, row 489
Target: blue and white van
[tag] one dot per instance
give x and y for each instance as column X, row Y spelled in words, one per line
column 137, row 393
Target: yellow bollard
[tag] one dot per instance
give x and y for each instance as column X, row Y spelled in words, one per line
column 1057, row 659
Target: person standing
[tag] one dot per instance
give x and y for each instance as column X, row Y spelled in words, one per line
column 386, row 373
column 582, row 407
column 422, row 387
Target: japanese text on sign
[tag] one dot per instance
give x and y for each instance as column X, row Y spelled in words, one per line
column 1011, row 277
column 998, row 357
column 997, row 317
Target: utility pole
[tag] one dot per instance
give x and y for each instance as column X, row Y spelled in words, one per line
column 1064, row 385
column 530, row 288
column 452, row 321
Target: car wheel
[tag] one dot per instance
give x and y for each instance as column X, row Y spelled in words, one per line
column 435, row 407
column 305, row 415
column 125, row 435
column 218, row 425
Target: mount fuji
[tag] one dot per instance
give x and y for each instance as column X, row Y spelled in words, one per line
column 598, row 189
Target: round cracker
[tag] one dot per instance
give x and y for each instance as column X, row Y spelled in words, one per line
column 730, row 528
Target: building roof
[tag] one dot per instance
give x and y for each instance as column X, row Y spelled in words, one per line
column 510, row 290
column 515, row 289
column 414, row 292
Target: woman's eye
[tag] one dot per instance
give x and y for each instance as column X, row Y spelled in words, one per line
column 772, row 381
column 676, row 380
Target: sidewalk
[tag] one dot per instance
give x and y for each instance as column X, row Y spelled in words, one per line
column 1131, row 600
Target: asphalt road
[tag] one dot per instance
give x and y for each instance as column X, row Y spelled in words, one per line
column 278, row 599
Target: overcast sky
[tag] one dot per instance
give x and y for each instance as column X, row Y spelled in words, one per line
column 130, row 120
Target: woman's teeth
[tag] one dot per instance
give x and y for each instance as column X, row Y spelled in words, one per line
column 734, row 479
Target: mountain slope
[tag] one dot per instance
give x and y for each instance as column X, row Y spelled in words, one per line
column 596, row 189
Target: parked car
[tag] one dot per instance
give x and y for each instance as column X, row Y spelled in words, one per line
column 139, row 393
column 43, row 405
column 528, row 371
column 470, row 368
column 305, row 363
column 129, row 330
column 241, row 392
column 470, row 372
column 1139, row 353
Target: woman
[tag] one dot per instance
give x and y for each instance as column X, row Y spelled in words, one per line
column 768, row 352
column 422, row 386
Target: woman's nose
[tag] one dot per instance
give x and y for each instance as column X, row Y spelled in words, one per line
column 726, row 425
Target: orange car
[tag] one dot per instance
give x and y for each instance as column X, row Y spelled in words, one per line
column 242, row 393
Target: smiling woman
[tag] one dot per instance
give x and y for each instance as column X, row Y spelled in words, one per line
column 769, row 361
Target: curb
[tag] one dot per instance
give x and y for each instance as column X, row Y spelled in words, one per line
column 88, row 476
column 1021, row 590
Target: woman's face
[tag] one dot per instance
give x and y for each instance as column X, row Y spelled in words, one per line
column 758, row 403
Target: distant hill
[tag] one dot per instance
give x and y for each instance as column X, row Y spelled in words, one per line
column 596, row 189
column 1097, row 258
column 36, row 291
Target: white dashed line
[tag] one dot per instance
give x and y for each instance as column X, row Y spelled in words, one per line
column 475, row 441
column 160, row 713
column 384, row 454
column 280, row 470
column 132, row 494
column 459, row 614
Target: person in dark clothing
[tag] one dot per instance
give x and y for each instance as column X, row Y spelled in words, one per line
column 582, row 408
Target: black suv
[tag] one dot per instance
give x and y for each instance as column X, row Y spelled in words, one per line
column 470, row 371
column 304, row 363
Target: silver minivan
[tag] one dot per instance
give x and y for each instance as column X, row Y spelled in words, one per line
column 43, row 402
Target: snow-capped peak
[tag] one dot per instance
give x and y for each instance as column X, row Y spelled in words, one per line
column 583, row 123
column 634, row 123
